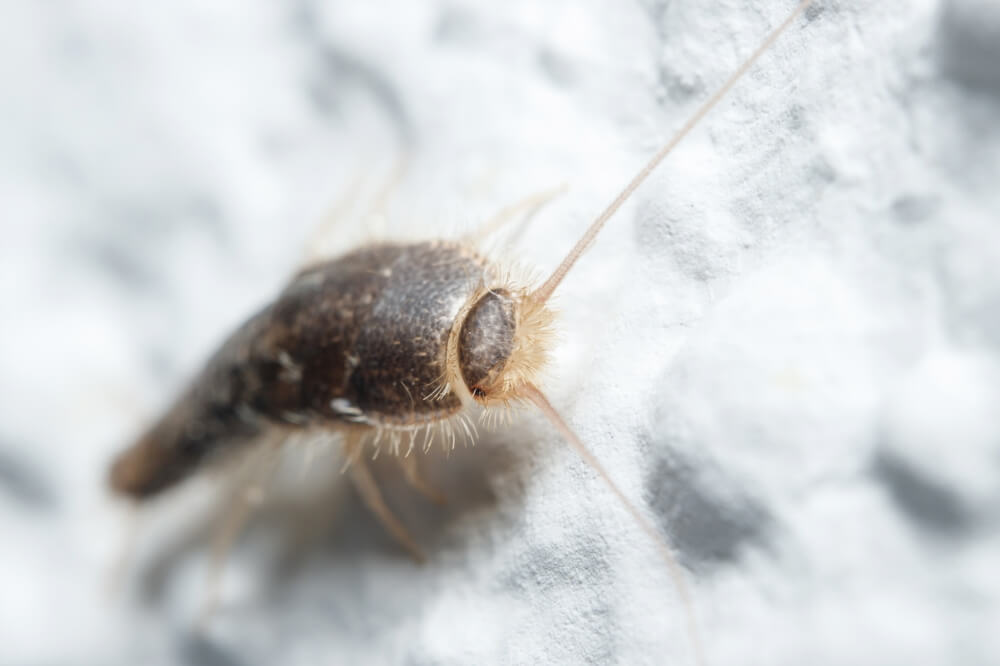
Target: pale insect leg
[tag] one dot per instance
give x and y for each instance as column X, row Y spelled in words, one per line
column 316, row 250
column 366, row 486
column 380, row 201
column 373, row 217
column 249, row 494
column 411, row 470
column 526, row 208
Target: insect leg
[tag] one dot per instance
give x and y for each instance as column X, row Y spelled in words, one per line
column 315, row 249
column 381, row 199
column 373, row 218
column 411, row 470
column 526, row 207
column 368, row 489
column 249, row 494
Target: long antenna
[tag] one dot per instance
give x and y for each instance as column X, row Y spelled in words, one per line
column 543, row 293
column 532, row 393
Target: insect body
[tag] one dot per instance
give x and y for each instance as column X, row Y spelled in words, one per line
column 390, row 337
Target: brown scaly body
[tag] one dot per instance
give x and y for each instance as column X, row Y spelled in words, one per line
column 362, row 341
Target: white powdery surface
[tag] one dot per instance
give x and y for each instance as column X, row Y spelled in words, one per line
column 785, row 348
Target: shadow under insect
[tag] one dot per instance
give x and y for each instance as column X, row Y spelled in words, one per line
column 311, row 517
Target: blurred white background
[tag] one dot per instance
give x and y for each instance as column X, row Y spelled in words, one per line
column 786, row 348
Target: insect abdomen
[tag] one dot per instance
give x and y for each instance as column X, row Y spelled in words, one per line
column 218, row 412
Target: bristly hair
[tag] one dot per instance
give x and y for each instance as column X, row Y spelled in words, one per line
column 402, row 441
column 533, row 338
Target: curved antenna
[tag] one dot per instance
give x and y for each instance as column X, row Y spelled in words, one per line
column 532, row 393
column 543, row 293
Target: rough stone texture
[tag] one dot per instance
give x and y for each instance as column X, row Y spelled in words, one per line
column 786, row 347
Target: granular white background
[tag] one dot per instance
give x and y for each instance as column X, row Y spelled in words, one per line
column 786, row 347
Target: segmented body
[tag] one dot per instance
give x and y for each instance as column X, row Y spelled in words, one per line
column 360, row 341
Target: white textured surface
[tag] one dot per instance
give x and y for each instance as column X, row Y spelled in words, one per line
column 786, row 347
